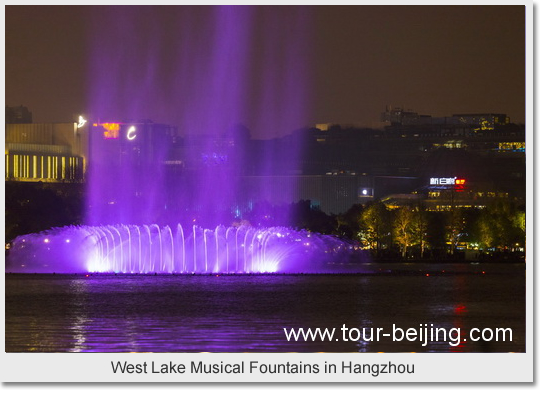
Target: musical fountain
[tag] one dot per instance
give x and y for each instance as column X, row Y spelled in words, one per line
column 152, row 249
column 129, row 180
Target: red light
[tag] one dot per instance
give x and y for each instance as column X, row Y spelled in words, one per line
column 459, row 309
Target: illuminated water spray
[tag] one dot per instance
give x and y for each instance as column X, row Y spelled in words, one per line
column 154, row 249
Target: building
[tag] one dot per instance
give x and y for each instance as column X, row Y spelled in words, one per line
column 19, row 114
column 332, row 193
column 398, row 116
column 46, row 152
column 453, row 178
column 127, row 170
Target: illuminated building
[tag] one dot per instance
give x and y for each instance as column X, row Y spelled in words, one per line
column 46, row 152
column 402, row 149
column 483, row 121
column 451, row 178
column 395, row 161
column 398, row 117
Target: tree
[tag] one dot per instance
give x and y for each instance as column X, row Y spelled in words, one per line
column 305, row 216
column 403, row 229
column 349, row 224
column 501, row 225
column 520, row 220
column 375, row 225
column 421, row 225
column 35, row 207
column 486, row 230
column 455, row 227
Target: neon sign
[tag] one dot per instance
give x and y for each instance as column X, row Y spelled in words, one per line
column 81, row 121
column 443, row 181
column 131, row 133
column 111, row 130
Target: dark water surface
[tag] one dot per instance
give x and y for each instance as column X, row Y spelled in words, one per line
column 247, row 313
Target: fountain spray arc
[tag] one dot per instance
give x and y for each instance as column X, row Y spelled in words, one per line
column 153, row 249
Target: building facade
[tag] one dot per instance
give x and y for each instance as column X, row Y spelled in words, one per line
column 46, row 152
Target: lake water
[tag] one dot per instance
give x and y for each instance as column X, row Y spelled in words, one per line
column 248, row 313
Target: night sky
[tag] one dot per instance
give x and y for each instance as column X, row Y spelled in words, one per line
column 354, row 60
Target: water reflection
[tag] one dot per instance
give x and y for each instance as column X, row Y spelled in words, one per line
column 47, row 313
column 78, row 319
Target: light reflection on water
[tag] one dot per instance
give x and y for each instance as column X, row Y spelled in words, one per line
column 106, row 313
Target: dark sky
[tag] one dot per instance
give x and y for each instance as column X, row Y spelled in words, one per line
column 354, row 60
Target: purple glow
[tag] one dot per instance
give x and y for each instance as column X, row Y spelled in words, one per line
column 154, row 249
column 214, row 83
column 189, row 191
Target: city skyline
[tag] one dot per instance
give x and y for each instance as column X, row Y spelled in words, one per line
column 435, row 60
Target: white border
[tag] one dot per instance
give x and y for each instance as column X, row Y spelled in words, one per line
column 469, row 367
column 428, row 367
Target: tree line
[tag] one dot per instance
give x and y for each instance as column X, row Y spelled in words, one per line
column 412, row 232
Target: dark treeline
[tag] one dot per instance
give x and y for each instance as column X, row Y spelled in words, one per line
column 495, row 233
column 34, row 207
